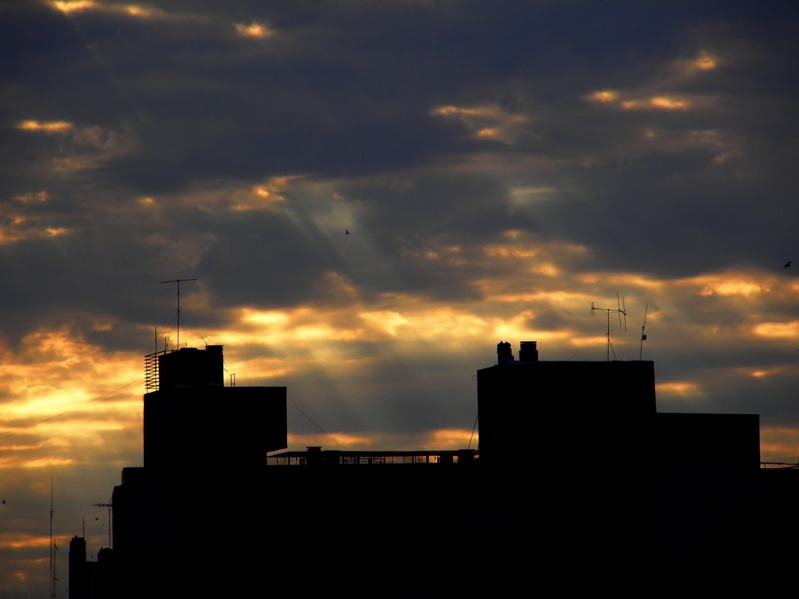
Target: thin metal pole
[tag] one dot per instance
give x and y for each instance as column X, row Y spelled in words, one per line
column 178, row 281
column 52, row 551
column 109, row 506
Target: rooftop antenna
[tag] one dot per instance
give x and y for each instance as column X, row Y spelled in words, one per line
column 53, row 548
column 620, row 309
column 109, row 506
column 178, row 281
column 643, row 334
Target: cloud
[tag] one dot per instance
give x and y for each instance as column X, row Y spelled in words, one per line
column 76, row 7
column 486, row 122
column 68, row 6
column 667, row 90
column 80, row 148
column 53, row 127
column 254, row 30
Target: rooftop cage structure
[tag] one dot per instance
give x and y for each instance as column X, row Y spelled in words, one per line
column 185, row 367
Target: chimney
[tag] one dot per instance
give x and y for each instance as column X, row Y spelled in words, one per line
column 528, row 351
column 504, row 353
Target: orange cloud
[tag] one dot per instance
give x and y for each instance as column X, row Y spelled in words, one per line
column 255, row 30
column 46, row 127
column 668, row 103
column 779, row 444
column 133, row 10
column 68, row 6
column 728, row 283
column 63, row 401
column 679, row 389
column 30, row 197
column 15, row 225
column 659, row 94
column 17, row 540
column 704, row 62
column 487, row 121
column 85, row 147
column 778, row 330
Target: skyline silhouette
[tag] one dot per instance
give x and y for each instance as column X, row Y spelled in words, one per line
column 501, row 166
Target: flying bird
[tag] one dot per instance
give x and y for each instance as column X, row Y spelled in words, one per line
column 788, row 263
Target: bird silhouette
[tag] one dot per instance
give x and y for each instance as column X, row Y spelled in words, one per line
column 788, row 263
column 348, row 231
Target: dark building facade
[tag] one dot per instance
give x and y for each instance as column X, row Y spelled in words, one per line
column 574, row 458
column 607, row 465
column 204, row 450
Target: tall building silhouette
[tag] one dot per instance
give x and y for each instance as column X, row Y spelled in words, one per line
column 182, row 523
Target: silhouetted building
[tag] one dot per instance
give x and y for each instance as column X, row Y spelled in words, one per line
column 204, row 456
column 607, row 465
column 78, row 572
column 573, row 459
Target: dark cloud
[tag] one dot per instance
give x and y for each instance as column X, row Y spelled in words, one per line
column 346, row 91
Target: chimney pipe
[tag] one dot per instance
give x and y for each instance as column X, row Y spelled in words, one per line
column 504, row 353
column 528, row 351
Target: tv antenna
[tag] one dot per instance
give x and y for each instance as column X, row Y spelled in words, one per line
column 621, row 310
column 643, row 334
column 178, row 281
column 53, row 547
column 109, row 506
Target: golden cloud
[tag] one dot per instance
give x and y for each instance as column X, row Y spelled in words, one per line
column 30, row 197
column 46, row 127
column 486, row 121
column 255, row 30
column 261, row 196
column 728, row 283
column 63, row 401
column 703, row 139
column 17, row 540
column 704, row 62
column 659, row 94
column 668, row 103
column 69, row 6
column 779, row 444
column 16, row 226
column 85, row 147
column 133, row 10
column 679, row 389
column 602, row 96
column 778, row 330
column 433, row 440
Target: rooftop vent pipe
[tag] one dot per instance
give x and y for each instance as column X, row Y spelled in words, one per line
column 528, row 351
column 504, row 353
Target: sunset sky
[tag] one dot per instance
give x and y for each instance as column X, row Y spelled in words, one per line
column 498, row 165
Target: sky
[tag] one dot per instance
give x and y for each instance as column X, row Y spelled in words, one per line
column 371, row 195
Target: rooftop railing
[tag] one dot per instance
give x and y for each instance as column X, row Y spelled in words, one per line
column 369, row 458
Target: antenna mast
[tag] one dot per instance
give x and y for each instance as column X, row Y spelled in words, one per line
column 643, row 334
column 178, row 281
column 109, row 506
column 621, row 309
column 53, row 547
